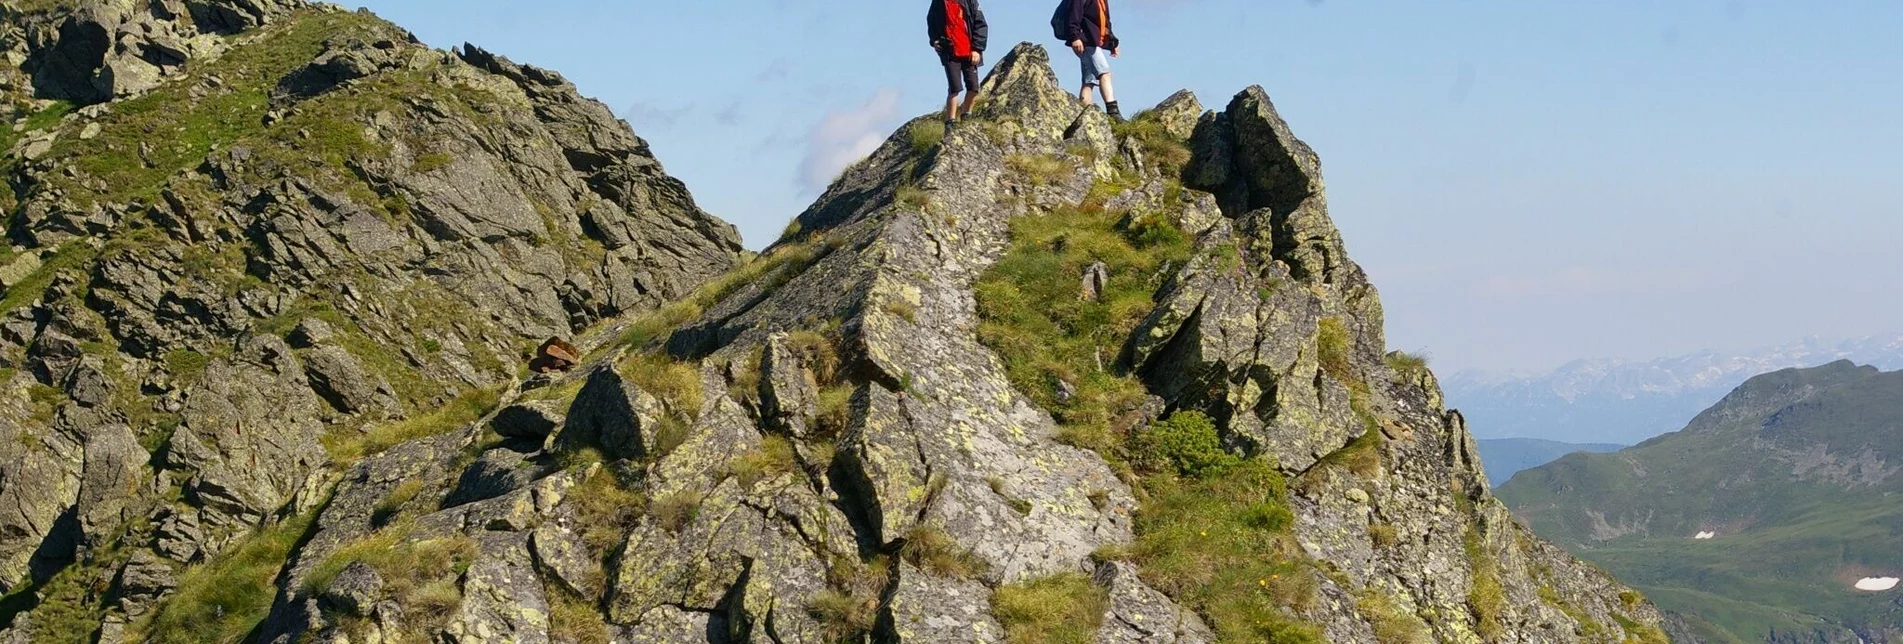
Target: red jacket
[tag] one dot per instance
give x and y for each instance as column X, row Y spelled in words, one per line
column 957, row 27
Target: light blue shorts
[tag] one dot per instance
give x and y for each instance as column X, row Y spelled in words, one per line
column 1096, row 62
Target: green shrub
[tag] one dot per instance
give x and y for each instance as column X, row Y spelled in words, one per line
column 1186, row 443
column 674, row 382
column 186, row 365
column 1064, row 609
column 1221, row 545
column 912, row 197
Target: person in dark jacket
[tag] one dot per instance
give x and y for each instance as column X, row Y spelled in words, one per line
column 959, row 34
column 1095, row 42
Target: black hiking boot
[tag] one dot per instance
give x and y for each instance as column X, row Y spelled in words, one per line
column 1116, row 115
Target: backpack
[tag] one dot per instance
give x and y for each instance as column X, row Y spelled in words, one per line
column 1060, row 21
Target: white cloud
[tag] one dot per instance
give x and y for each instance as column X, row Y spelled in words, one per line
column 845, row 136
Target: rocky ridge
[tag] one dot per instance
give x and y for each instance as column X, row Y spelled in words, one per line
column 309, row 303
column 253, row 241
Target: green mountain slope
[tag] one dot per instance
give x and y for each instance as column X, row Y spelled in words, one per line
column 1506, row 457
column 1794, row 473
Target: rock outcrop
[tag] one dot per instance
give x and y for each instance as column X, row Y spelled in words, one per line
column 252, row 241
column 311, row 309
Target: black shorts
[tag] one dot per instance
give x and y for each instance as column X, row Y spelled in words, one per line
column 959, row 74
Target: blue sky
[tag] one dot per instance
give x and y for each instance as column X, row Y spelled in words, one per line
column 1528, row 181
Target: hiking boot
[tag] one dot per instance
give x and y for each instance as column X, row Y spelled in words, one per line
column 1116, row 115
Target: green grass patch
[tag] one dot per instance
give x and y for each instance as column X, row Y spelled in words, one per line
column 1063, row 609
column 422, row 577
column 1158, row 145
column 925, row 135
column 1393, row 623
column 778, row 266
column 348, row 446
column 1033, row 314
column 222, row 601
column 72, row 255
column 932, row 550
column 1213, row 531
column 1487, row 598
column 1040, row 169
column 773, row 459
column 1332, row 341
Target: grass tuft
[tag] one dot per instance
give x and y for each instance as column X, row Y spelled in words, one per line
column 1040, row 169
column 1064, row 609
column 929, row 548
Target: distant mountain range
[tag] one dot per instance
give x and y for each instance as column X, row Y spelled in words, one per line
column 1616, row 401
column 1774, row 516
column 1505, row 457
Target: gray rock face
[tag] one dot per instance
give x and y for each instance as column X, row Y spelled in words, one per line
column 825, row 453
column 105, row 50
column 219, row 319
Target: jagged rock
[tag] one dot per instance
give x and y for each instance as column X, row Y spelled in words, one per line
column 1138, row 614
column 534, row 420
column 110, row 481
column 935, row 609
column 788, row 390
column 102, row 50
column 355, row 591
column 1178, row 114
column 1095, row 276
column 342, row 380
column 614, row 414
column 309, row 333
column 502, row 596
column 559, row 550
column 498, row 472
column 143, row 580
column 179, row 535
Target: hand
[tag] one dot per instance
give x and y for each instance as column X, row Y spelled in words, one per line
column 977, row 58
column 1116, row 52
column 1077, row 46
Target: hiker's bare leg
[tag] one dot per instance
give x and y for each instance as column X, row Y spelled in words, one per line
column 1084, row 94
column 971, row 100
column 1103, row 85
column 951, row 107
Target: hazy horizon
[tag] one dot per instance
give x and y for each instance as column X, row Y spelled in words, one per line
column 1527, row 184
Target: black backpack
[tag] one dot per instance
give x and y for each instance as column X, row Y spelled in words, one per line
column 1060, row 21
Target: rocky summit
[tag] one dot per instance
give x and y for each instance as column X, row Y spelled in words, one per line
column 315, row 334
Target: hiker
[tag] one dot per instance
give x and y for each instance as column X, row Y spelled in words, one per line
column 1085, row 26
column 958, row 32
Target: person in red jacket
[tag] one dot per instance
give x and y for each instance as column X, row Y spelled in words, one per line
column 1095, row 43
column 959, row 34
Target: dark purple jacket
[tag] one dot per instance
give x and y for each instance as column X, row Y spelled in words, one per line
column 1084, row 27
